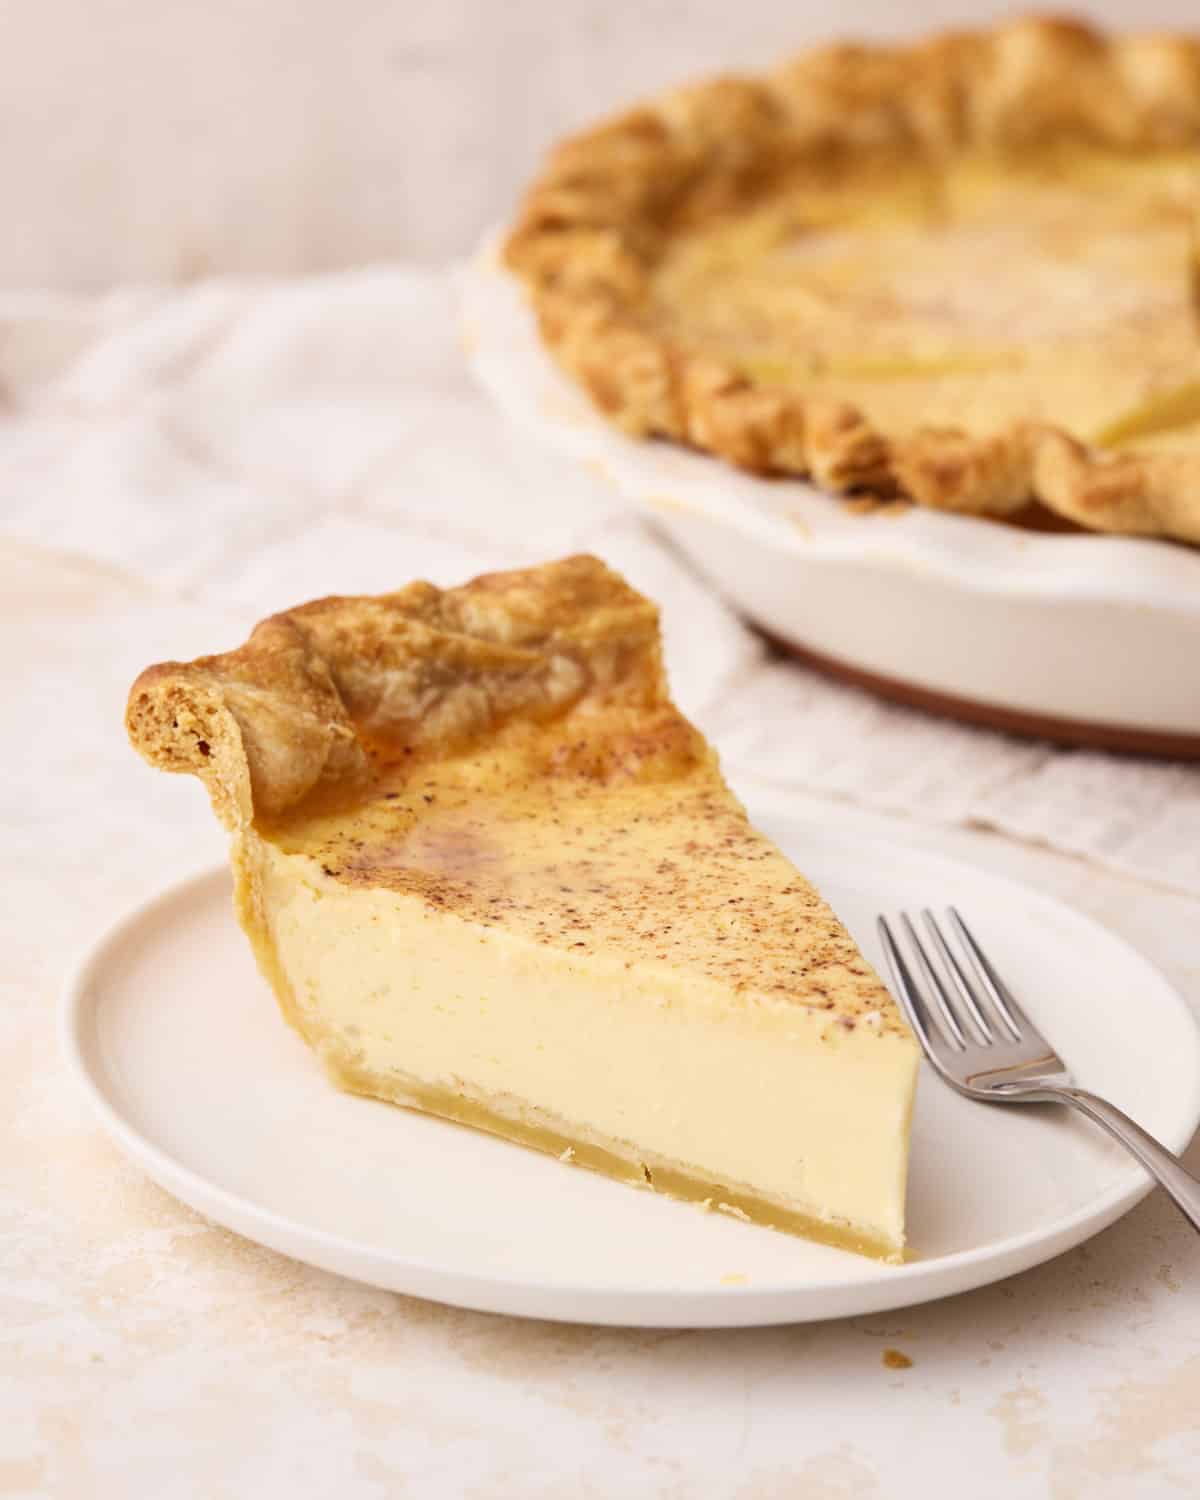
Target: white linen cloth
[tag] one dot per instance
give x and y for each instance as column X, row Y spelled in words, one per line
column 238, row 446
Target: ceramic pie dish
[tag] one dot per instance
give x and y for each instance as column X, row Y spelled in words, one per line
column 955, row 284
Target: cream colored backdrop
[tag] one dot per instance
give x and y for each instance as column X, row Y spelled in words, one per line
column 166, row 139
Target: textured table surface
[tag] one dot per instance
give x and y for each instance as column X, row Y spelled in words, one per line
column 167, row 477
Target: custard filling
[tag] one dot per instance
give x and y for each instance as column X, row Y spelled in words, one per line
column 610, row 1158
column 1057, row 287
column 578, row 953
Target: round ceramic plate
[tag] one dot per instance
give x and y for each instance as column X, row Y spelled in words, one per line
column 190, row 1068
column 1075, row 637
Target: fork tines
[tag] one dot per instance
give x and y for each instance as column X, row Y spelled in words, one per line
column 971, row 1003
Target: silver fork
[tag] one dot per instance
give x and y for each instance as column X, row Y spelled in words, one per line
column 982, row 1043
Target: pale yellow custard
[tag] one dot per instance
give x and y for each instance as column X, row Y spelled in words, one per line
column 1050, row 286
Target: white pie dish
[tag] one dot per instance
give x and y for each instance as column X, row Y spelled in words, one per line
column 191, row 1070
column 1087, row 638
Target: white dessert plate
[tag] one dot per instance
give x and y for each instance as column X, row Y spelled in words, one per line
column 1082, row 638
column 192, row 1071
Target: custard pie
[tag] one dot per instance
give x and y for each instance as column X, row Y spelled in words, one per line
column 492, row 873
column 964, row 272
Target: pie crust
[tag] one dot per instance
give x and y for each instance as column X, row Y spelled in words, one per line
column 622, row 217
column 297, row 712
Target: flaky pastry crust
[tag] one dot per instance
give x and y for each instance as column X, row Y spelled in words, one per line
column 301, row 706
column 594, row 223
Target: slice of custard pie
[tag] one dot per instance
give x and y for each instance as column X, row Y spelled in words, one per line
column 965, row 271
column 492, row 873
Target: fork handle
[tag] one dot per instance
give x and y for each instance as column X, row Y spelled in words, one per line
column 1163, row 1165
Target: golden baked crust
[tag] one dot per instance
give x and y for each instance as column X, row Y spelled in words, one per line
column 299, row 709
column 596, row 225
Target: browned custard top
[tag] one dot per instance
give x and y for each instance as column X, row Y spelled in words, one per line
column 539, row 834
